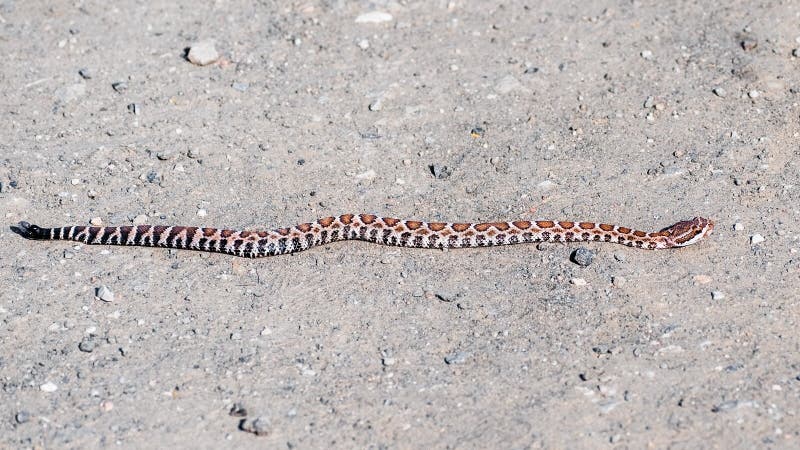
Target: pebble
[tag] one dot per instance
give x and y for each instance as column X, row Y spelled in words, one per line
column 96, row 221
column 618, row 281
column 104, row 293
column 134, row 108
column 578, row 281
column 85, row 73
column 756, row 239
column 508, row 84
column 647, row 54
column 141, row 219
column 753, row 94
column 719, row 92
column 202, row 53
column 717, row 295
column 106, row 405
column 374, row 17
column 363, row 44
column 87, row 344
column 75, row 181
column 238, row 410
column 22, row 416
column 456, row 358
column 796, row 53
column 738, row 226
column 702, row 279
column 201, row 212
column 446, row 296
column 582, row 256
column 236, row 336
column 119, row 86
column 48, row 387
column 259, row 426
column 165, row 155
column 648, row 103
column 193, row 153
column 439, row 171
column 388, row 361
column 749, row 44
column 241, row 87
column 376, row 105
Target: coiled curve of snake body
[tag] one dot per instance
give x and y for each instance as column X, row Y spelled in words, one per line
column 372, row 228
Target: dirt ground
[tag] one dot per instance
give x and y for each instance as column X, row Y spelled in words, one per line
column 640, row 113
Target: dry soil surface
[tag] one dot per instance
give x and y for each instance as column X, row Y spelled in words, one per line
column 640, row 113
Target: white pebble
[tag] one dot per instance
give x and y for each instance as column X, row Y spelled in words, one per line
column 717, row 295
column 75, row 181
column 578, row 281
column 201, row 212
column 141, row 219
column 753, row 94
column 96, row 221
column 203, row 53
column 105, row 294
column 756, row 239
column 48, row 387
column 374, row 17
column 363, row 44
column 647, row 54
column 738, row 226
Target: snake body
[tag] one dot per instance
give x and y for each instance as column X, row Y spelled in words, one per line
column 372, row 228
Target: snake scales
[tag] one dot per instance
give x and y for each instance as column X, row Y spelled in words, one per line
column 372, row 228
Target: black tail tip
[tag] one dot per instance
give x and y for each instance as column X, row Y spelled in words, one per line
column 30, row 231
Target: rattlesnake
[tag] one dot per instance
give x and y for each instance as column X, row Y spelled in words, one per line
column 371, row 228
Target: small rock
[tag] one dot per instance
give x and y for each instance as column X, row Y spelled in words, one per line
column 753, row 94
column 374, row 17
column 363, row 44
column 618, row 281
column 717, row 295
column 106, row 405
column 725, row 406
column 439, row 171
column 85, row 73
column 648, row 103
column 446, row 297
column 236, row 336
column 756, row 239
column 719, row 92
column 96, row 221
column 202, row 53
column 738, row 226
column 647, row 54
column 119, row 86
column 476, row 132
column 22, row 416
column 376, row 105
column 238, row 410
column 201, row 212
column 796, row 53
column 87, row 344
column 141, row 219
column 48, row 387
column 582, row 256
column 105, row 294
column 456, row 358
column 193, row 153
column 241, row 87
column 748, row 44
column 507, row 85
column 388, row 361
column 259, row 426
column 702, row 279
column 578, row 281
column 134, row 108
column 165, row 155
column 152, row 176
column 368, row 175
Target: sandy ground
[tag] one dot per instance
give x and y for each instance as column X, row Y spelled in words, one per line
column 640, row 113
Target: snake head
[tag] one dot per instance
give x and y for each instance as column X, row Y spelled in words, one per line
column 689, row 232
column 30, row 231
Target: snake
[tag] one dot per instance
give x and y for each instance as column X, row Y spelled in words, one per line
column 375, row 229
